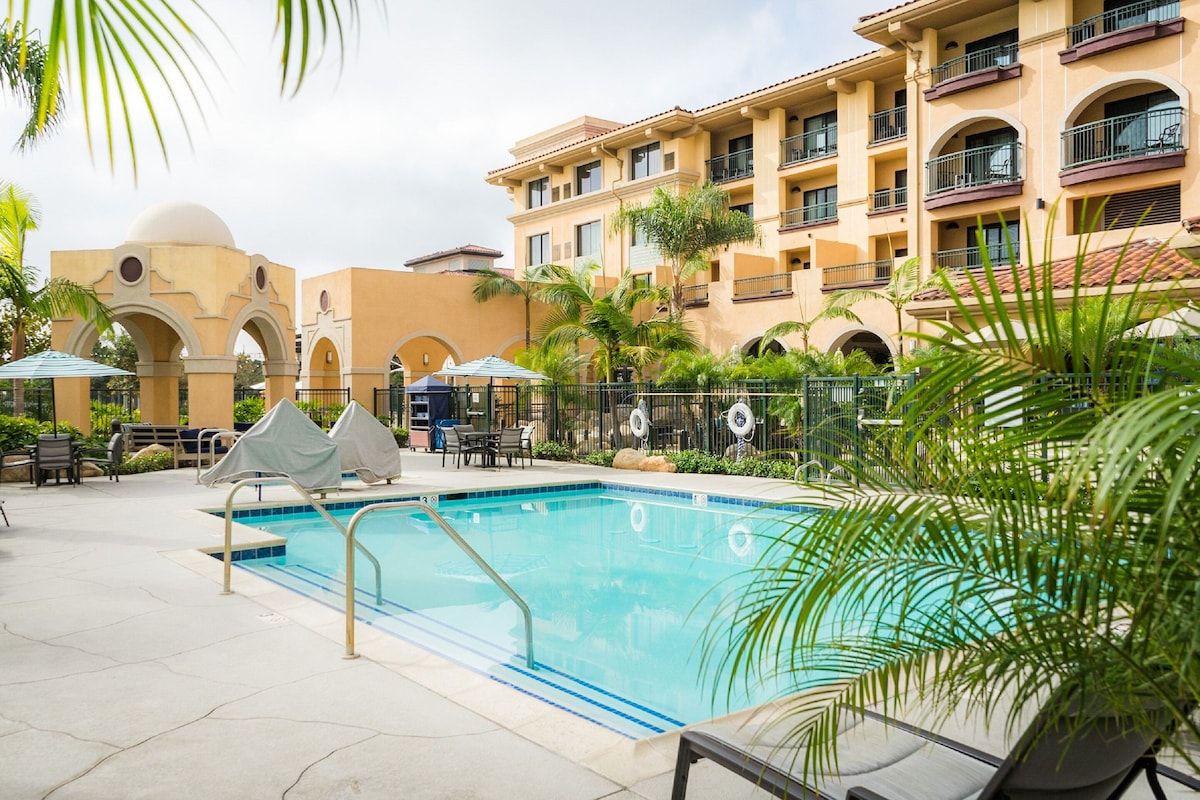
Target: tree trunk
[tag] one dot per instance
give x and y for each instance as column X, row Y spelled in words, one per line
column 18, row 351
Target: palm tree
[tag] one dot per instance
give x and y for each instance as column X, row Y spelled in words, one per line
column 19, row 214
column 24, row 74
column 490, row 284
column 687, row 228
column 973, row 559
column 803, row 325
column 133, row 52
column 904, row 285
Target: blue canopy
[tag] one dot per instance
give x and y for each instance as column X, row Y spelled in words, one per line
column 428, row 385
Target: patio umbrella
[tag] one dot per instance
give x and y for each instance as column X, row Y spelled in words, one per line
column 55, row 364
column 492, row 367
column 1185, row 321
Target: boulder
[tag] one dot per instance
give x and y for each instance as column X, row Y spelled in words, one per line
column 749, row 451
column 656, row 464
column 628, row 458
column 152, row 449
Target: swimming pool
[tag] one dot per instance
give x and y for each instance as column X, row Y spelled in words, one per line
column 621, row 581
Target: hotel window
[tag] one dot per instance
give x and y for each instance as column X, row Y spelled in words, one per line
column 820, row 204
column 588, row 240
column 587, row 178
column 745, row 208
column 539, row 192
column 645, row 161
column 642, row 280
column 537, row 250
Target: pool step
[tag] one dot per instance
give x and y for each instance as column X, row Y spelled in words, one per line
column 439, row 632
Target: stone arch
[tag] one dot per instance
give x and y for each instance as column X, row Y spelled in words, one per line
column 1116, row 81
column 956, row 124
column 751, row 345
column 843, row 337
column 417, row 368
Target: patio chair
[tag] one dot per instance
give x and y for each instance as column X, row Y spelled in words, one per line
column 880, row 759
column 55, row 453
column 527, row 442
column 510, row 445
column 108, row 459
column 25, row 460
column 450, row 443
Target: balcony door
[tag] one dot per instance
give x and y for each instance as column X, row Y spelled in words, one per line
column 996, row 238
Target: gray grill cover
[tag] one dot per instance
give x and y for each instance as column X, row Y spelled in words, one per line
column 283, row 442
column 367, row 446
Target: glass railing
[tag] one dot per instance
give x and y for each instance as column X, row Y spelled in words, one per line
column 885, row 199
column 1120, row 18
column 978, row 166
column 999, row 56
column 816, row 212
column 762, row 285
column 1126, row 136
column 739, row 164
column 889, row 124
column 970, row 257
column 866, row 272
column 809, row 145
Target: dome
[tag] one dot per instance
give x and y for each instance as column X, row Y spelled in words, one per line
column 179, row 223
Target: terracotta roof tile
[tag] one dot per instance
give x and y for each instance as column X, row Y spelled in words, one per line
column 1143, row 260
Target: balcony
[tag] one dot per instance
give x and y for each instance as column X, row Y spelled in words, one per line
column 1121, row 27
column 1152, row 140
column 736, row 165
column 971, row 257
column 808, row 146
column 865, row 274
column 975, row 174
column 989, row 65
column 889, row 125
column 889, row 200
column 763, row 286
column 695, row 295
column 808, row 215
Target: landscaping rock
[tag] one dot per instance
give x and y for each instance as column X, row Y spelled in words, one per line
column 628, row 458
column 152, row 449
column 656, row 464
column 750, row 451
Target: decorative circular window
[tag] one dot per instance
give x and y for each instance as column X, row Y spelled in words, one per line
column 131, row 269
column 260, row 277
column 324, row 300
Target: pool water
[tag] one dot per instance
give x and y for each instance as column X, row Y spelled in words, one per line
column 621, row 584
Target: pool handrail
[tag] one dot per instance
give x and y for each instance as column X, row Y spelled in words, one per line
column 462, row 544
column 320, row 509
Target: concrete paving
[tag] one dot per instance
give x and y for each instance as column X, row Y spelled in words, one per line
column 125, row 673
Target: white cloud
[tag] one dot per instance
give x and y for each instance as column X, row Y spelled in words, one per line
column 387, row 160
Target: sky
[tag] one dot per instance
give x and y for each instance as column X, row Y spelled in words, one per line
column 384, row 158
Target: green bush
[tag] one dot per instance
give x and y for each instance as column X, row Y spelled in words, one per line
column 17, row 432
column 104, row 413
column 152, row 462
column 702, row 463
column 401, row 435
column 553, row 451
column 762, row 468
column 249, row 410
column 698, row 462
column 599, row 458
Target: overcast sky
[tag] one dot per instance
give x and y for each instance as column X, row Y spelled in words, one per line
column 387, row 160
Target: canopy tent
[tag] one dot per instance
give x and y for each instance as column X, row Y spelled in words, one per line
column 428, row 385
column 365, row 445
column 284, row 442
column 56, row 364
column 491, row 367
column 1180, row 322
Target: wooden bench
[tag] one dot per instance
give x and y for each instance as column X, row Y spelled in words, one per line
column 140, row 436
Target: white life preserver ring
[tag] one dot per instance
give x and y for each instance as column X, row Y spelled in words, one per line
column 637, row 517
column 638, row 424
column 745, row 426
column 741, row 540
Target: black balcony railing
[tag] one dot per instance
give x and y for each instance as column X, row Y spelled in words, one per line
column 738, row 164
column 1120, row 18
column 857, row 274
column 887, row 199
column 889, row 124
column 1126, row 136
column 763, row 285
column 806, row 215
column 999, row 56
column 978, row 166
column 970, row 257
column 695, row 295
column 809, row 145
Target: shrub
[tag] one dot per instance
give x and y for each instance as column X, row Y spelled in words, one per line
column 401, row 435
column 762, row 468
column 249, row 410
column 104, row 413
column 698, row 462
column 599, row 458
column 553, row 451
column 17, row 432
column 151, row 462
column 702, row 463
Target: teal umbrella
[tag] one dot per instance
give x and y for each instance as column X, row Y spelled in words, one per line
column 55, row 364
column 492, row 367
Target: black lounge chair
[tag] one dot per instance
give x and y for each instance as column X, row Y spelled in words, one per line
column 881, row 759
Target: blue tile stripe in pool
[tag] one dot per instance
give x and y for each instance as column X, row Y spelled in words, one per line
column 248, row 553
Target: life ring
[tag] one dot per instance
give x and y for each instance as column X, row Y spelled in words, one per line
column 741, row 540
column 638, row 424
column 637, row 517
column 740, row 411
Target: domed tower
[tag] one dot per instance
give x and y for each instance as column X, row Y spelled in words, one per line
column 184, row 291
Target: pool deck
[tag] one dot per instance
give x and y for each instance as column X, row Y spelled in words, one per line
column 125, row 673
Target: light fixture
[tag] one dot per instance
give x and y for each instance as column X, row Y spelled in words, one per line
column 951, row 45
column 796, row 261
column 425, row 359
column 793, row 118
column 795, row 190
column 328, row 356
column 1039, row 204
column 952, row 226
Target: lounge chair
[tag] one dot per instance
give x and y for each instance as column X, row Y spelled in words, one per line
column 108, row 459
column 879, row 759
column 55, row 453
